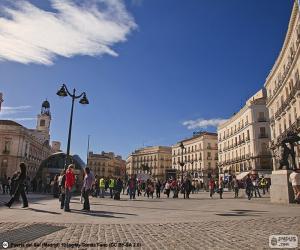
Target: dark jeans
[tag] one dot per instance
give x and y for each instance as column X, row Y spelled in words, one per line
column 249, row 193
column 157, row 193
column 256, row 192
column 168, row 192
column 211, row 192
column 236, row 192
column 132, row 193
column 85, row 195
column 111, row 190
column 19, row 191
column 67, row 199
column 188, row 194
column 221, row 193
column 62, row 200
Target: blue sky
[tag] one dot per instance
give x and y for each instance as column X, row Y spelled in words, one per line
column 147, row 65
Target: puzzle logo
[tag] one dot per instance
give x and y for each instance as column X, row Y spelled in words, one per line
column 283, row 241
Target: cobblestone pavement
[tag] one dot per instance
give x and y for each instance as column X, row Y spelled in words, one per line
column 198, row 223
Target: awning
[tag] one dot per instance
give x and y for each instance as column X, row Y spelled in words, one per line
column 242, row 175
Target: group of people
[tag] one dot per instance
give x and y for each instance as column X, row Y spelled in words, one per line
column 252, row 185
column 150, row 186
column 64, row 185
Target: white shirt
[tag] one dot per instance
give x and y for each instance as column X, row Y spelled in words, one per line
column 295, row 178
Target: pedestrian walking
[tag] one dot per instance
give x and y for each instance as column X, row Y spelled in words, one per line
column 211, row 186
column 102, row 187
column 295, row 181
column 112, row 184
column 132, row 187
column 87, row 188
column 150, row 189
column 118, row 189
column 187, row 187
column 69, row 183
column 248, row 186
column 175, row 188
column 221, row 186
column 235, row 184
column 19, row 187
column 62, row 189
column 158, row 187
column 97, row 186
column 167, row 189
column 263, row 184
column 255, row 187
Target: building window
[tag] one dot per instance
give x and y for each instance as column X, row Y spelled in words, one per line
column 42, row 123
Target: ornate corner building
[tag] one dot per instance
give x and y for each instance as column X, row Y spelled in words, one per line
column 283, row 88
column 243, row 140
column 20, row 144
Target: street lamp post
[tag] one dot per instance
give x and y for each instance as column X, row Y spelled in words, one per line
column 63, row 92
column 193, row 175
column 181, row 163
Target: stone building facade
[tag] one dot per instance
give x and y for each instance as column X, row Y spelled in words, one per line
column 283, row 89
column 200, row 155
column 20, row 144
column 106, row 164
column 243, row 140
column 153, row 160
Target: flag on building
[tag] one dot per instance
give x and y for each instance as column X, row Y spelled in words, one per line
column 1, row 100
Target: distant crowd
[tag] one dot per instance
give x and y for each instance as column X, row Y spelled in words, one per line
column 62, row 186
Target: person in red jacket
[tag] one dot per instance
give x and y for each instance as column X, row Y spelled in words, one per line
column 69, row 183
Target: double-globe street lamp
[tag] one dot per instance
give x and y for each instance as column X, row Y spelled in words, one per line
column 63, row 92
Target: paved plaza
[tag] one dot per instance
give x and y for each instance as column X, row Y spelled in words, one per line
column 197, row 223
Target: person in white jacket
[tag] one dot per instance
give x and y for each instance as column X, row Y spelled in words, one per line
column 295, row 180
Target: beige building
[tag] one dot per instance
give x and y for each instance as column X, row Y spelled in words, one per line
column 243, row 139
column 200, row 155
column 154, row 160
column 106, row 164
column 20, row 144
column 283, row 88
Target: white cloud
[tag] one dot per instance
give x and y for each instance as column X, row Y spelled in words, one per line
column 29, row 34
column 24, row 119
column 8, row 113
column 203, row 123
column 13, row 110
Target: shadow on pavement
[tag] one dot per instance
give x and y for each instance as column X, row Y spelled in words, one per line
column 42, row 211
column 100, row 213
column 150, row 208
column 243, row 212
